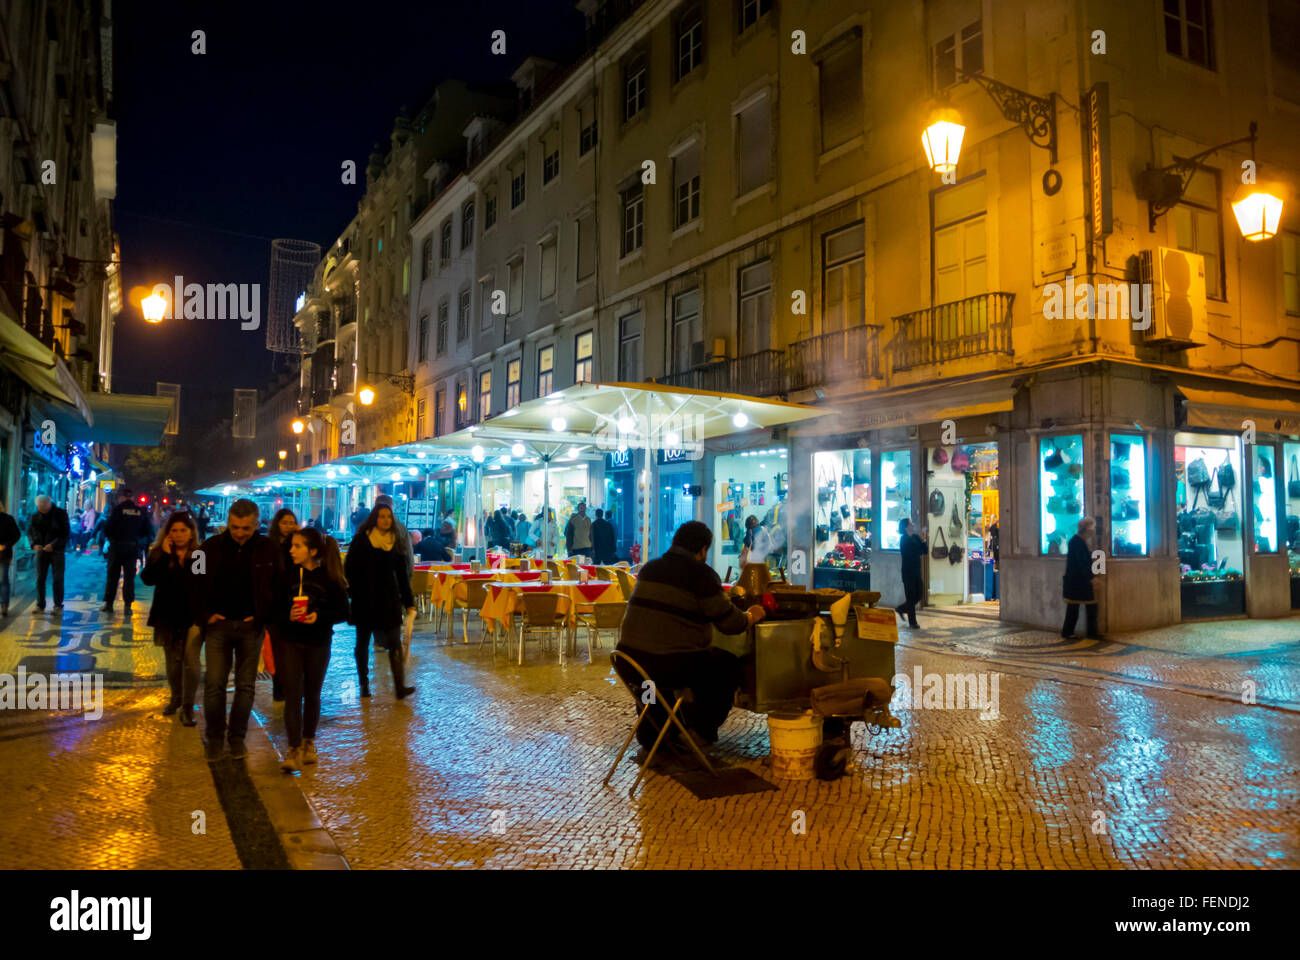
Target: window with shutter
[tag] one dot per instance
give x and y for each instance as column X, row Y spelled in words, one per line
column 960, row 244
column 840, row 87
column 514, row 373
column 629, row 348
column 583, row 353
column 688, row 328
column 1199, row 228
column 586, row 246
column 755, row 308
column 686, row 186
column 754, row 146
column 516, row 286
column 547, row 273
column 462, row 316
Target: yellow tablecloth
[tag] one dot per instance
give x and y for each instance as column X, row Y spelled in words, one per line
column 448, row 586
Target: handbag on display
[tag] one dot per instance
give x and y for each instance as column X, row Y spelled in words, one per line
column 1186, row 521
column 1215, row 499
column 1204, row 525
column 1264, row 467
column 954, row 521
column 1074, row 469
column 1293, row 485
column 1227, row 474
column 1187, row 555
column 1186, row 541
column 940, row 549
column 1119, row 477
column 955, row 554
column 1293, row 531
column 1226, row 519
column 1120, row 450
column 1125, row 548
column 1054, row 459
column 846, row 482
column 940, row 456
column 1198, row 474
column 936, row 503
column 961, row 460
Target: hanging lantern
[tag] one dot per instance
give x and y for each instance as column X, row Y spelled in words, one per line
column 942, row 140
column 1258, row 211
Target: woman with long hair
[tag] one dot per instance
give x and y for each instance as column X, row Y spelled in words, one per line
column 281, row 530
column 169, row 571
column 315, row 598
column 380, row 587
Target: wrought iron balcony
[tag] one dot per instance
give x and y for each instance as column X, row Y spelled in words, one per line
column 465, row 418
column 850, row 354
column 759, row 374
column 976, row 326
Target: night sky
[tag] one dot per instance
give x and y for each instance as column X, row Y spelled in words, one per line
column 221, row 153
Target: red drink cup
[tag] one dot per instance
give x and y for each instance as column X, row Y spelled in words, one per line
column 299, row 611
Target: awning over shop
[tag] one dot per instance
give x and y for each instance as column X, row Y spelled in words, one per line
column 915, row 407
column 39, row 367
column 121, row 418
column 1226, row 409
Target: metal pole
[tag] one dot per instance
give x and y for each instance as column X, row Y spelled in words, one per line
column 546, row 507
column 651, row 495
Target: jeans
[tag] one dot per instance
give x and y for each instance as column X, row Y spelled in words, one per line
column 44, row 561
column 713, row 675
column 4, row 584
column 913, row 590
column 227, row 641
column 121, row 564
column 303, row 667
column 1072, row 618
column 181, row 650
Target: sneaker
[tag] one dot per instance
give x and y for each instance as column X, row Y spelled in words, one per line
column 309, row 751
column 292, row 761
column 212, row 750
column 237, row 749
column 187, row 717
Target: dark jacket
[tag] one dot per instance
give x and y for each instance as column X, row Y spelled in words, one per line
column 9, row 536
column 49, row 528
column 378, row 583
column 127, row 526
column 326, row 597
column 1077, row 582
column 912, row 548
column 433, row 549
column 603, row 537
column 675, row 605
column 175, row 589
column 219, row 581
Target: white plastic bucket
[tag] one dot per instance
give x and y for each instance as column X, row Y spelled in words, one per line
column 794, row 741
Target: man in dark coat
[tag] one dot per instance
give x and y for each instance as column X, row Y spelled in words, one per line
column 234, row 603
column 48, row 536
column 126, row 528
column 1077, row 582
column 912, row 548
column 668, row 630
column 603, row 537
column 9, row 537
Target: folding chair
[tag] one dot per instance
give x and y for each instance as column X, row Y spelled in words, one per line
column 638, row 682
column 541, row 615
column 475, row 597
column 602, row 617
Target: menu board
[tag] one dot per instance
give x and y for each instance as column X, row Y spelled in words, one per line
column 877, row 624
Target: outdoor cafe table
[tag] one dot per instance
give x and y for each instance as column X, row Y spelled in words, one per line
column 448, row 586
column 503, row 597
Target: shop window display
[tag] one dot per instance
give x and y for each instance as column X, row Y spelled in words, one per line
column 896, row 504
column 1060, row 490
column 961, row 509
column 1264, row 497
column 1290, row 528
column 1128, row 495
column 753, row 483
column 842, row 519
column 1207, row 471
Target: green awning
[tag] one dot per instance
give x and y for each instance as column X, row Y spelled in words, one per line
column 39, row 367
column 121, row 418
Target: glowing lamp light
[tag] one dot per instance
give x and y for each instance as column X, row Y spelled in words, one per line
column 366, row 396
column 740, row 420
column 154, row 307
column 558, row 424
column 330, row 474
column 626, row 424
column 344, row 469
column 673, row 439
column 1258, row 212
column 477, row 453
column 411, row 471
column 397, row 475
column 942, row 140
column 518, row 450
column 261, row 463
column 298, row 426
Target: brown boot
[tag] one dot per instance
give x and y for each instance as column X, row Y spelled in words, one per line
column 397, row 661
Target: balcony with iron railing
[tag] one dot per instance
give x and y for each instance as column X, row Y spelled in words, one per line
column 977, row 326
column 466, row 418
column 759, row 374
column 851, row 354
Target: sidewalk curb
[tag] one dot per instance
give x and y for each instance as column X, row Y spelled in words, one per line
column 307, row 843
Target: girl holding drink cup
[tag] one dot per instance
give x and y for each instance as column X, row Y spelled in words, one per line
column 315, row 599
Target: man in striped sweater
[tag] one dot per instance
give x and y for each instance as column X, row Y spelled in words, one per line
column 668, row 630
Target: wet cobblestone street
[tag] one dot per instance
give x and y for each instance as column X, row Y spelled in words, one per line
column 1137, row 752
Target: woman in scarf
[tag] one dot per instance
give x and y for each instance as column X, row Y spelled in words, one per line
column 169, row 572
column 380, row 587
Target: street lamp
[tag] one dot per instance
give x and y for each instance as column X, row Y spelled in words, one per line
column 260, row 463
column 1036, row 115
column 154, row 307
column 942, row 140
column 1258, row 212
column 298, row 426
column 366, row 396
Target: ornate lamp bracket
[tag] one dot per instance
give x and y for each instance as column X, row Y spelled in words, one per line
column 1036, row 115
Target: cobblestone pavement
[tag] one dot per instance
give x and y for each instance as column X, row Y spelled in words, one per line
column 1133, row 753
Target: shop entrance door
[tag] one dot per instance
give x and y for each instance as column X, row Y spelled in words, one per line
column 1211, row 548
column 962, row 509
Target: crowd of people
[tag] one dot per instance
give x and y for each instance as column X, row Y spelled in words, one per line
column 597, row 538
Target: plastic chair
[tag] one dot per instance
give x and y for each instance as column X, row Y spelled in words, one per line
column 541, row 615
column 422, row 588
column 556, row 568
column 606, row 617
column 625, row 582
column 637, row 680
column 571, row 570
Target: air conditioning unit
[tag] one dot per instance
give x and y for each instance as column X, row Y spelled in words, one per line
column 1177, row 285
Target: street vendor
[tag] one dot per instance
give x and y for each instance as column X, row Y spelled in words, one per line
column 668, row 630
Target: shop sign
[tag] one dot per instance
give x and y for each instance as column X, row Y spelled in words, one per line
column 54, row 455
column 618, row 460
column 1097, row 120
column 675, row 456
column 725, row 505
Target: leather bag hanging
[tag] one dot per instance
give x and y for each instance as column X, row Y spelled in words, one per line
column 954, row 521
column 1226, row 519
column 1054, row 459
column 1226, row 474
column 936, row 503
column 940, row 549
column 1198, row 474
column 1293, row 485
column 955, row 554
column 940, row 456
column 961, row 460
